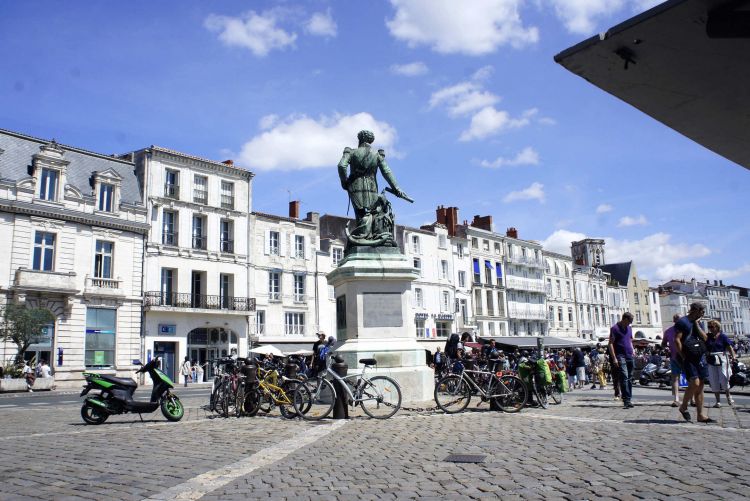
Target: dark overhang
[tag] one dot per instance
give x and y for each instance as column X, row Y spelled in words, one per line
column 686, row 63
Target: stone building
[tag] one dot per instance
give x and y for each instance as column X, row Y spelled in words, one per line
column 73, row 223
column 562, row 318
column 524, row 266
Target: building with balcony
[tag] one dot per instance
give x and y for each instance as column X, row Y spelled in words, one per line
column 527, row 296
column 592, row 296
column 562, row 317
column 73, row 223
column 197, row 293
column 288, row 279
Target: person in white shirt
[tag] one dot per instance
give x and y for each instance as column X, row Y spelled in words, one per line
column 45, row 369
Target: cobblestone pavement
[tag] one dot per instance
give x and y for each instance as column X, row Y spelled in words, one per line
column 587, row 448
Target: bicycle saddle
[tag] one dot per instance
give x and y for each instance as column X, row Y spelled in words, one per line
column 368, row 361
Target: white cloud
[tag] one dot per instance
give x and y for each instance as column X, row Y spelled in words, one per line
column 547, row 121
column 489, row 121
column 560, row 240
column 527, row 156
column 257, row 32
column 410, row 69
column 268, row 121
column 689, row 271
column 581, row 16
column 483, row 73
column 533, row 192
column 602, row 208
column 450, row 27
column 463, row 98
column 633, row 221
column 321, row 24
column 300, row 142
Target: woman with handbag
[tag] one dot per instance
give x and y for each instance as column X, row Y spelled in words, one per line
column 718, row 347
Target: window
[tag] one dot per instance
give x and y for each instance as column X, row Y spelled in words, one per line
column 645, row 297
column 226, row 236
column 299, row 246
column 474, row 243
column 477, row 276
column 442, row 241
column 106, row 197
column 418, row 265
column 103, row 259
column 499, row 274
column 48, row 185
column 656, row 317
column 491, row 328
column 558, row 288
column 294, row 324
column 299, row 288
column 638, row 317
column 551, row 315
column 559, row 315
column 488, row 272
column 570, row 316
column 486, row 245
column 568, row 290
column 197, row 289
column 171, row 184
column 200, row 189
column 44, row 251
column 273, row 243
column 445, row 306
column 227, row 195
column 549, row 287
column 100, row 337
column 199, row 232
column 260, row 322
column 419, row 325
column 415, row 247
column 443, row 329
column 167, row 286
column 601, row 293
column 462, row 279
column 225, row 290
column 635, row 298
column 648, row 318
column 497, row 248
column 500, row 304
column 444, row 269
column 169, row 228
column 418, row 298
column 490, row 303
column 460, row 250
column 567, row 271
column 557, row 269
column 274, row 285
column 338, row 255
column 546, row 266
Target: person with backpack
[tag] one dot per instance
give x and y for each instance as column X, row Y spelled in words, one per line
column 438, row 360
column 691, row 346
column 315, row 366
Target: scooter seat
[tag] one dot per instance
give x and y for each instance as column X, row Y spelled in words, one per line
column 122, row 381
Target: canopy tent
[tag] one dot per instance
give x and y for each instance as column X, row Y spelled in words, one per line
column 684, row 63
column 267, row 349
column 530, row 342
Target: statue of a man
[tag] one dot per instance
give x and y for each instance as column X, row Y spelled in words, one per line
column 358, row 169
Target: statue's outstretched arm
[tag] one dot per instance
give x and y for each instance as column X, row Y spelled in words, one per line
column 388, row 174
column 343, row 165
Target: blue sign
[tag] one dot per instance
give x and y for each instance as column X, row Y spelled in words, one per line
column 167, row 329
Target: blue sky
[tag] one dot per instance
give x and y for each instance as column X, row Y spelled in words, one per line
column 467, row 102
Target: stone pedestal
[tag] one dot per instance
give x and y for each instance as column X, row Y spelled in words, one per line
column 374, row 318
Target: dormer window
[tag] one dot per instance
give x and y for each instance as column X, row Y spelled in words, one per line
column 50, row 179
column 106, row 197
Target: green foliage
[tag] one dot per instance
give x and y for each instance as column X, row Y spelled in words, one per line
column 23, row 326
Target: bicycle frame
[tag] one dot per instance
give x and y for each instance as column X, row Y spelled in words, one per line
column 483, row 393
column 347, row 382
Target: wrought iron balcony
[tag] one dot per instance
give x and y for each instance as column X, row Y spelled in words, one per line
column 169, row 238
column 172, row 190
column 200, row 197
column 199, row 242
column 199, row 301
column 227, row 202
column 227, row 246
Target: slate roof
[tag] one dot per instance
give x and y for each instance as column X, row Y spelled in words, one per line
column 619, row 271
column 16, row 159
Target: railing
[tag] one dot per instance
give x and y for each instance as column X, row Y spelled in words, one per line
column 200, row 301
column 200, row 196
column 199, row 242
column 527, row 313
column 524, row 284
column 227, row 202
column 527, row 261
column 172, row 190
column 102, row 283
column 300, row 298
column 227, row 246
column 169, row 238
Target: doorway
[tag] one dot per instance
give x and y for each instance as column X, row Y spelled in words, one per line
column 166, row 351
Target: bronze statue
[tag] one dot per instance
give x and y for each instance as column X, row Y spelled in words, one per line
column 374, row 220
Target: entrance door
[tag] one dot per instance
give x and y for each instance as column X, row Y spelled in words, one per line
column 166, row 351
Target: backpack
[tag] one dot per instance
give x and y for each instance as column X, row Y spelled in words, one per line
column 693, row 346
column 438, row 358
column 323, row 352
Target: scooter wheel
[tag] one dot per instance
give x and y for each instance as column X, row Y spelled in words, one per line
column 172, row 408
column 92, row 414
column 643, row 382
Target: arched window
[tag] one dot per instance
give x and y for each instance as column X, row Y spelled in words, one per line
column 567, row 271
column 557, row 269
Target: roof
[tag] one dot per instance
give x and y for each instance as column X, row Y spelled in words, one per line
column 682, row 64
column 18, row 150
column 216, row 163
column 618, row 271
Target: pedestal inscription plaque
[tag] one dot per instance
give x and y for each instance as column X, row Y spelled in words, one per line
column 382, row 309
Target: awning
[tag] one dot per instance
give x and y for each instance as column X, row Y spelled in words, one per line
column 289, row 347
column 529, row 342
column 684, row 63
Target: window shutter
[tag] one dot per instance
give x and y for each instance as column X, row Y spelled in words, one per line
column 282, row 243
column 267, row 243
column 309, row 251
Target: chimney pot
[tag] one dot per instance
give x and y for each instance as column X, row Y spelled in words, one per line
column 228, row 162
column 294, row 209
column 512, row 232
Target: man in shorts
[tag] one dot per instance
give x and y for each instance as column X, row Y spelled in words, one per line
column 695, row 368
column 674, row 360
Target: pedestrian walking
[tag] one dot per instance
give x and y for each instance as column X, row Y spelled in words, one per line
column 438, row 361
column 621, row 356
column 597, row 369
column 317, row 365
column 30, row 376
column 186, row 370
column 690, row 340
column 579, row 362
column 674, row 360
column 199, row 372
column 719, row 358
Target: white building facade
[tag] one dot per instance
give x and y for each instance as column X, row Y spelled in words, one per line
column 559, row 287
column 73, row 223
column 592, row 302
column 524, row 267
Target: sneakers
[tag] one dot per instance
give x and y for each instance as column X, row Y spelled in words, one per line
column 717, row 405
column 675, row 403
column 628, row 405
column 593, row 386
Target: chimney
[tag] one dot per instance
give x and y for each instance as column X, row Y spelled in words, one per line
column 313, row 217
column 482, row 222
column 451, row 220
column 716, row 282
column 721, row 282
column 228, row 162
column 441, row 215
column 511, row 232
column 294, row 209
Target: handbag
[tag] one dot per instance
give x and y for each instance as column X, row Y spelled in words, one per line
column 713, row 359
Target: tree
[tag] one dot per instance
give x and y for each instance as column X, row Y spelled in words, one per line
column 23, row 326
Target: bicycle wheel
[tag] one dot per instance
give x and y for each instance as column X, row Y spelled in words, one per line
column 285, row 397
column 513, row 394
column 554, row 392
column 380, row 397
column 239, row 400
column 250, row 402
column 314, row 400
column 213, row 403
column 265, row 402
column 227, row 401
column 540, row 394
column 452, row 394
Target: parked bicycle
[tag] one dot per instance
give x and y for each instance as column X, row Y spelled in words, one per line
column 454, row 391
column 379, row 396
column 541, row 384
column 272, row 389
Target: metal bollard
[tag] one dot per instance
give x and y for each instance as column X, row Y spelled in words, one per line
column 290, row 370
column 341, row 406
